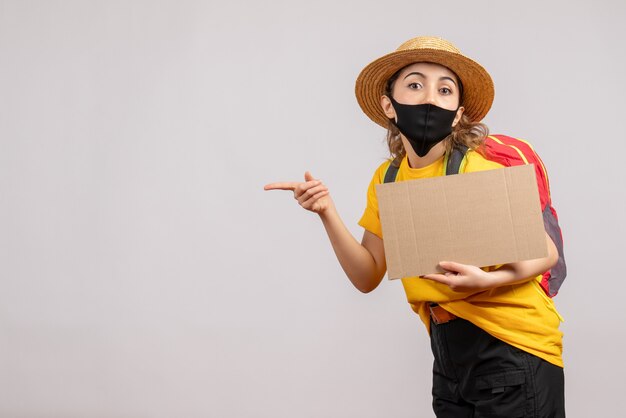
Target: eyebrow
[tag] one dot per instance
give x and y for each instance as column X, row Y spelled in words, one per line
column 420, row 74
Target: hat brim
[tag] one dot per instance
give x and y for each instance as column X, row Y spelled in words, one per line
column 478, row 89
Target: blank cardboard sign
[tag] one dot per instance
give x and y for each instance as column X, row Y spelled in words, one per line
column 482, row 218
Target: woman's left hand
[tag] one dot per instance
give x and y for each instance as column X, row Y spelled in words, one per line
column 463, row 277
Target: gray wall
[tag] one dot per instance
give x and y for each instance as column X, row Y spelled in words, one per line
column 144, row 272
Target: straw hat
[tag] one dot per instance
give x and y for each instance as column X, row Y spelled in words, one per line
column 478, row 88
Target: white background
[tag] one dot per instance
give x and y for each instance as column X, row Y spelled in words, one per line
column 144, row 272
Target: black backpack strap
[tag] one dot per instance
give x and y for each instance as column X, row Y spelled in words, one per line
column 455, row 158
column 392, row 172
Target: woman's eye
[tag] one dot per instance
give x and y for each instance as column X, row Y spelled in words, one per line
column 445, row 90
column 415, row 86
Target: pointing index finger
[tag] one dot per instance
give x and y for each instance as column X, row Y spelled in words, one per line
column 289, row 185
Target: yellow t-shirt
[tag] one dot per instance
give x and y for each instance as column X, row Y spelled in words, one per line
column 520, row 315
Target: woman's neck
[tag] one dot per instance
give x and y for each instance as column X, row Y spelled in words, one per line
column 415, row 161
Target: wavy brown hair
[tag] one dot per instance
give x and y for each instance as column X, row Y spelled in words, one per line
column 468, row 133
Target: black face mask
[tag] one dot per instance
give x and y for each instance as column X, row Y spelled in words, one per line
column 424, row 125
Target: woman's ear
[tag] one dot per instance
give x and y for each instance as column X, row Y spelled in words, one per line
column 387, row 106
column 457, row 118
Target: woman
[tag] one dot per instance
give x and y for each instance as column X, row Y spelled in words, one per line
column 494, row 333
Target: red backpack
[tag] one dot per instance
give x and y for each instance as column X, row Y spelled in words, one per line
column 509, row 152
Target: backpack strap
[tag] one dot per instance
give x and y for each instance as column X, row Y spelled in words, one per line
column 455, row 159
column 392, row 172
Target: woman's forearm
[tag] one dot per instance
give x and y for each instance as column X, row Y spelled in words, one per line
column 521, row 271
column 357, row 262
column 463, row 277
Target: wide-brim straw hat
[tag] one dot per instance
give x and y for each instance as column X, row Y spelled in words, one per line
column 478, row 90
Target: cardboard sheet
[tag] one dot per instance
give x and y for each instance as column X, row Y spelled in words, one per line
column 483, row 218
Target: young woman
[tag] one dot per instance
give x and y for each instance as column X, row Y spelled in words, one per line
column 494, row 332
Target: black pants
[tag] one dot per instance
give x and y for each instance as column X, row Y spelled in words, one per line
column 476, row 375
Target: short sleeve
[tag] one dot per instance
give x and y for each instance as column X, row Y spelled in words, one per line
column 371, row 219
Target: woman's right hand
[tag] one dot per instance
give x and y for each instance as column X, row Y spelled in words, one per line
column 311, row 194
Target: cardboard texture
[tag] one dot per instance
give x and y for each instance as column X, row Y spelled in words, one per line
column 483, row 218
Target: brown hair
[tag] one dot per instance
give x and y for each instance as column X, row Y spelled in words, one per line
column 465, row 132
